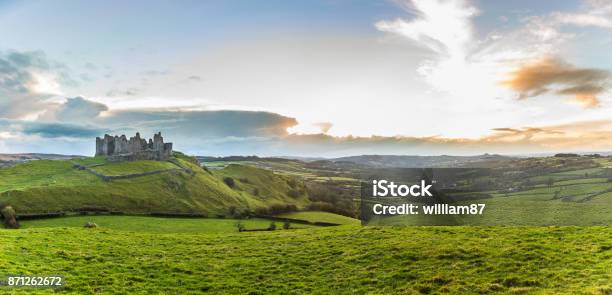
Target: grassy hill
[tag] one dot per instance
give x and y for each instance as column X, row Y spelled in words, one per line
column 344, row 259
column 135, row 254
column 56, row 185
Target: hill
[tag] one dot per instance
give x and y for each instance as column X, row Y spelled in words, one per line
column 399, row 161
column 176, row 186
column 7, row 160
column 34, row 156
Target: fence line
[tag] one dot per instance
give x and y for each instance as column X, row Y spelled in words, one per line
column 133, row 175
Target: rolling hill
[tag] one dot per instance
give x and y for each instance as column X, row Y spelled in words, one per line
column 176, row 186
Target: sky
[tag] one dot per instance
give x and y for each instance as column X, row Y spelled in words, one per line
column 308, row 78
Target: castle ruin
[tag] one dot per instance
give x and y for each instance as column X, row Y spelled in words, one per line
column 119, row 148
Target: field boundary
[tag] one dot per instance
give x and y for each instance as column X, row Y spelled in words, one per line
column 300, row 221
column 133, row 175
column 100, row 212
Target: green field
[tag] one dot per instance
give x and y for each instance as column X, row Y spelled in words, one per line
column 52, row 186
column 152, row 255
column 345, row 259
column 314, row 216
column 155, row 224
column 122, row 168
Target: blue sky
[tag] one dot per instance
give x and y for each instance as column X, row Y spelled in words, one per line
column 438, row 76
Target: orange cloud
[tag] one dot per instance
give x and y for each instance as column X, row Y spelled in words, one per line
column 552, row 74
column 586, row 136
column 324, row 126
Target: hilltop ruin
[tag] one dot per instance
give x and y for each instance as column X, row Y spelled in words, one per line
column 119, row 148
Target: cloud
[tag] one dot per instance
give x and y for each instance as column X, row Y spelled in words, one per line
column 470, row 68
column 518, row 134
column 265, row 134
column 596, row 13
column 27, row 81
column 18, row 95
column 462, row 64
column 585, row 136
column 49, row 129
column 201, row 124
column 60, row 130
column 604, row 6
column 76, row 109
column 442, row 26
column 584, row 19
column 446, row 29
column 548, row 74
column 324, row 126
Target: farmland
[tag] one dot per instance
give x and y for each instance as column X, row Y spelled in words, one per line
column 143, row 254
column 344, row 259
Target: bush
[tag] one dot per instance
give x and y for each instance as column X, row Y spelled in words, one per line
column 240, row 226
column 272, row 226
column 293, row 193
column 292, row 183
column 10, row 217
column 332, row 198
column 232, row 211
column 286, row 225
column 229, row 181
column 276, row 209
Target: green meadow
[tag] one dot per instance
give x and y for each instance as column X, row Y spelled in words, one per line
column 343, row 259
column 156, row 255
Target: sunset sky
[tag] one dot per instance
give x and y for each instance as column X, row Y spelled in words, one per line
column 308, row 78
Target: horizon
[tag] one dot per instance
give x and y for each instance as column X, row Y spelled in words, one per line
column 290, row 157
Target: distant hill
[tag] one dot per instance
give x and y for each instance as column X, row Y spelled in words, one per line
column 394, row 161
column 35, row 156
column 7, row 160
column 374, row 161
column 168, row 187
column 242, row 158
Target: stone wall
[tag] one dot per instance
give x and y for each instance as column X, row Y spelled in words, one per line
column 119, row 148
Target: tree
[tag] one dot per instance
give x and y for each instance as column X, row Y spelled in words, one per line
column 229, row 181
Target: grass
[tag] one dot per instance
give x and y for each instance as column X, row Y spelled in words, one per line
column 40, row 174
column 346, row 259
column 135, row 254
column 318, row 216
column 91, row 161
column 265, row 185
column 122, row 168
column 154, row 224
column 50, row 186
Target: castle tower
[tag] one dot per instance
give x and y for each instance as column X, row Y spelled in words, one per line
column 118, row 148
